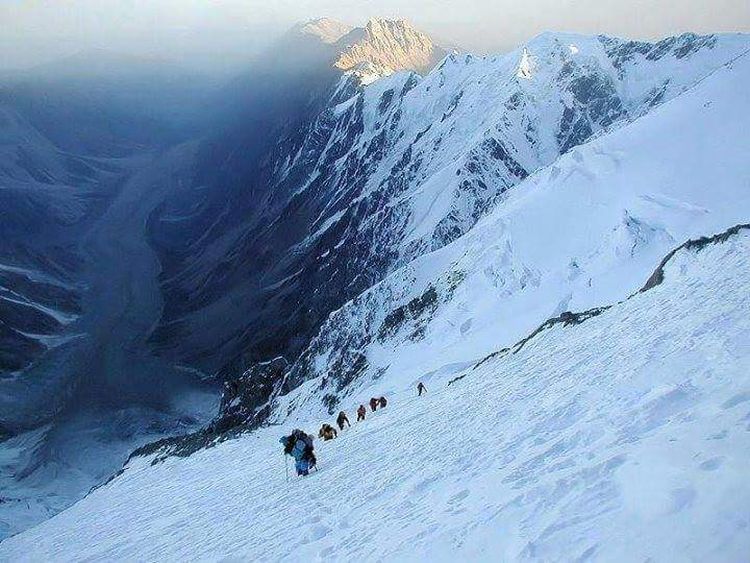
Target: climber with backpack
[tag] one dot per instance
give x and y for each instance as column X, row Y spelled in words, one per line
column 343, row 419
column 327, row 432
column 373, row 404
column 361, row 412
column 383, row 402
column 300, row 446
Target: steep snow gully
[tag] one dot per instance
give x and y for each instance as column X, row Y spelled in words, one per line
column 623, row 437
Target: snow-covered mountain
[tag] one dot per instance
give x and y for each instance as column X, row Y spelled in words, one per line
column 239, row 190
column 383, row 47
column 580, row 233
column 366, row 211
column 385, row 173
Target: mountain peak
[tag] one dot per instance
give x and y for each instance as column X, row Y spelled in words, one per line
column 388, row 46
column 382, row 25
column 328, row 30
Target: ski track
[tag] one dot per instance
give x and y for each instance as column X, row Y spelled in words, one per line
column 603, row 441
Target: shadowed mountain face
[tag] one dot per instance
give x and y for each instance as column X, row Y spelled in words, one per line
column 227, row 237
column 78, row 281
column 115, row 171
column 71, row 137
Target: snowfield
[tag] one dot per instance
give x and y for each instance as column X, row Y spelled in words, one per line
column 624, row 437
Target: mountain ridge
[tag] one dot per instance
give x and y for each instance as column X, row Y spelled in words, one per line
column 388, row 46
column 376, row 168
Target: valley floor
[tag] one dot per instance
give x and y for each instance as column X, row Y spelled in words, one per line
column 126, row 395
column 625, row 437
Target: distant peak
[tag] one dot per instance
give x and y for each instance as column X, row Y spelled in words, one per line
column 388, row 45
column 327, row 30
column 385, row 23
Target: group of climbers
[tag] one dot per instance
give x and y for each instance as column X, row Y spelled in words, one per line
column 299, row 445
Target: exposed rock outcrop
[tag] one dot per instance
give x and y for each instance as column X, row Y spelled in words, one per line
column 389, row 46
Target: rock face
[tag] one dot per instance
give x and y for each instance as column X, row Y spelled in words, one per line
column 244, row 400
column 387, row 46
column 246, row 404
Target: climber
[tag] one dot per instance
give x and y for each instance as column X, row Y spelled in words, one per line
column 382, row 402
column 342, row 419
column 327, row 432
column 300, row 446
column 361, row 411
column 373, row 404
column 421, row 388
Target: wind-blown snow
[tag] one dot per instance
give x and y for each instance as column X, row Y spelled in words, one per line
column 625, row 437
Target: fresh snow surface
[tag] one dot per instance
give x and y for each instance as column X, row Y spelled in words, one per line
column 626, row 437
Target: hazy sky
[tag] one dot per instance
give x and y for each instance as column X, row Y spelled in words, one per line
column 224, row 32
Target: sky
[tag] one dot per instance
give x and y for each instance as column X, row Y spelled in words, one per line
column 224, row 33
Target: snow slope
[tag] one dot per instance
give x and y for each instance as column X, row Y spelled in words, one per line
column 625, row 436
